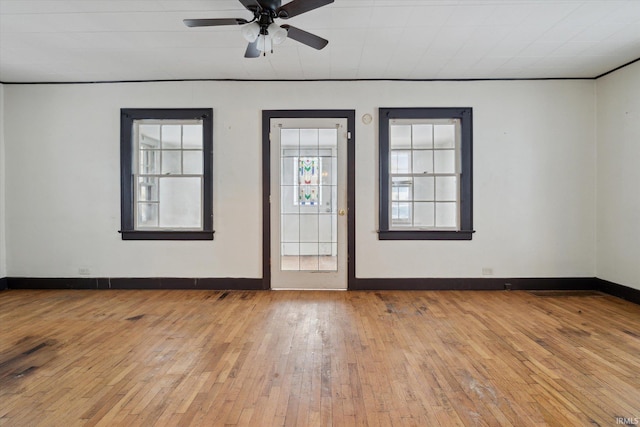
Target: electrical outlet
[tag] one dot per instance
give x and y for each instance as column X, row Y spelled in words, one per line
column 487, row 271
column 84, row 271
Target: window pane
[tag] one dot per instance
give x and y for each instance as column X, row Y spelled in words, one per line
column 309, row 137
column 329, row 170
column 422, row 136
column 328, row 224
column 148, row 189
column 309, row 225
column 290, row 228
column 180, row 202
column 328, row 137
column 423, row 215
column 422, row 161
column 149, row 136
column 289, row 137
column 309, row 252
column 445, row 161
column 446, row 215
column 192, row 162
column 401, row 189
column 424, row 189
column 149, row 162
column 289, row 199
column 328, row 198
column 147, row 214
column 289, row 171
column 400, row 136
column 444, row 136
column 171, row 136
column 192, row 136
column 446, row 189
column 171, row 162
column 400, row 161
column 401, row 213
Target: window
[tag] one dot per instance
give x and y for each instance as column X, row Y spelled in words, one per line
column 166, row 174
column 425, row 174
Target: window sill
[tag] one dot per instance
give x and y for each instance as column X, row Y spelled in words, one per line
column 166, row 235
column 425, row 235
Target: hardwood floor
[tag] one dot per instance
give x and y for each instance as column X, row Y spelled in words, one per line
column 260, row 358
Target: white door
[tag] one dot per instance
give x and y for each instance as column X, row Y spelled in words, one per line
column 308, row 203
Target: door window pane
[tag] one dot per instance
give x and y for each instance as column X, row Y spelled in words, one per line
column 308, row 196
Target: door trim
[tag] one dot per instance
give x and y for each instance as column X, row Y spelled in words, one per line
column 350, row 116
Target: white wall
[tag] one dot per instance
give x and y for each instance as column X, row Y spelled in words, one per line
column 618, row 213
column 534, row 178
column 3, row 246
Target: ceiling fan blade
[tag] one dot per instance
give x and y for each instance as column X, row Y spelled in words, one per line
column 297, row 7
column 213, row 22
column 252, row 50
column 251, row 5
column 304, row 37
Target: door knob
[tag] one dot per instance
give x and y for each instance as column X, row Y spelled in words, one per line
column 342, row 212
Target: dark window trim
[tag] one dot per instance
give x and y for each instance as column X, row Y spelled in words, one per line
column 466, row 174
column 127, row 116
column 267, row 115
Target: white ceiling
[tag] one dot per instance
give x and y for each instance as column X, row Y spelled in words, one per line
column 124, row 40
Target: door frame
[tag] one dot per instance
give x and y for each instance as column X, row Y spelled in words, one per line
column 267, row 116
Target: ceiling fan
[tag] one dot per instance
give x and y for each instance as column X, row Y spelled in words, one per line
column 262, row 32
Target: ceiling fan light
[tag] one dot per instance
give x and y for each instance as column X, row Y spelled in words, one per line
column 251, row 31
column 277, row 33
column 264, row 43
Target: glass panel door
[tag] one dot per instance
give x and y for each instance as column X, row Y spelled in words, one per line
column 308, row 203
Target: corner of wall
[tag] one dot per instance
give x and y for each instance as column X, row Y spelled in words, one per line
column 617, row 176
column 3, row 212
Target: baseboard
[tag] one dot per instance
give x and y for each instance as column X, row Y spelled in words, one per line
column 478, row 284
column 217, row 283
column 620, row 291
column 377, row 284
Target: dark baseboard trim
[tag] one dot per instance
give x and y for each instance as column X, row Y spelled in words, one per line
column 479, row 284
column 402, row 284
column 217, row 283
column 620, row 291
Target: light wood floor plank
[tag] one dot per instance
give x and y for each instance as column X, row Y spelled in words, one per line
column 292, row 358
